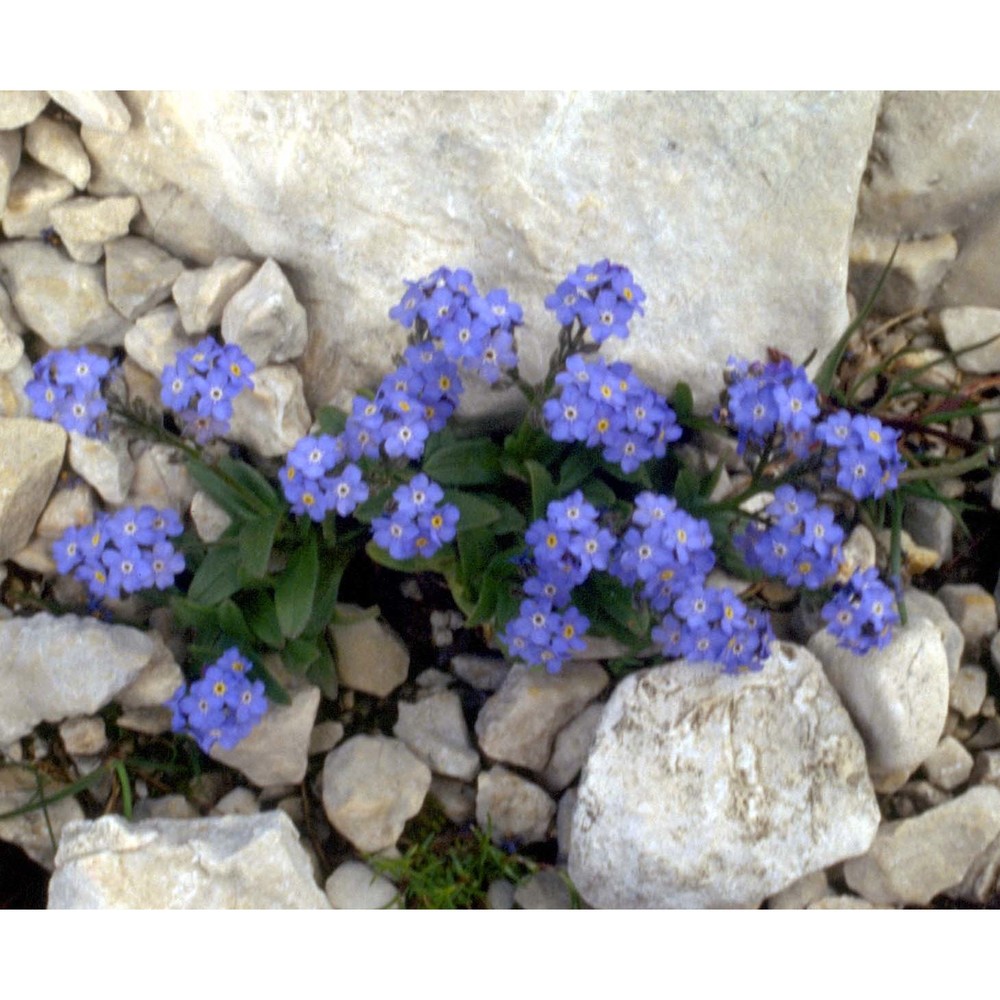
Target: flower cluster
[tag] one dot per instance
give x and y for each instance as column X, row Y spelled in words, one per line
column 418, row 523
column 602, row 296
column 862, row 612
column 865, row 457
column 605, row 405
column 796, row 540
column 312, row 482
column 222, row 707
column 201, row 385
column 474, row 330
column 122, row 552
column 66, row 388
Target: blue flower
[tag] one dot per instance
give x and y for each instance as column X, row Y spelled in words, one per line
column 66, row 387
column 862, row 612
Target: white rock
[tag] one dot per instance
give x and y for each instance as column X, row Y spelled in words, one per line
column 325, row 736
column 500, row 895
column 84, row 736
column 164, row 807
column 456, row 798
column 370, row 656
column 97, row 109
column 53, row 668
column 31, row 455
column 916, row 272
column 139, row 274
column 239, row 802
column 277, row 750
column 545, row 890
column 981, row 882
column 485, row 673
column 967, row 326
column 210, row 520
column 519, row 723
column 264, row 319
column 34, row 192
column 569, row 752
column 974, row 610
column 11, row 346
column 19, row 107
column 968, row 691
column 85, row 224
column 162, row 479
column 949, row 764
column 371, row 786
column 14, row 401
column 156, row 683
column 801, row 893
column 156, row 338
column 564, row 822
column 64, row 302
column 683, row 804
column 354, row 886
column 223, row 862
column 57, row 146
column 30, row 831
column 272, row 417
column 923, row 605
column 434, row 729
column 106, row 465
column 912, row 860
column 512, row 808
column 69, row 506
column 897, row 697
column 202, row 294
column 932, row 526
column 10, row 159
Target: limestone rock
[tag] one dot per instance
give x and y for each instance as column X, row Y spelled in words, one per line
column 64, row 302
column 53, row 668
column 564, row 822
column 85, row 224
column 139, row 274
column 512, row 807
column 19, row 107
column 801, row 893
column 30, row 831
column 221, row 862
column 272, row 417
column 434, row 729
column 456, row 798
column 545, row 890
column 897, row 697
column 277, row 750
column 920, row 603
column 569, row 752
column 519, row 723
column 528, row 177
column 264, row 319
column 371, row 786
column 485, row 673
column 239, row 802
column 682, row 804
column 84, row 736
column 202, row 294
column 97, row 109
column 156, row 338
column 14, row 401
column 981, row 883
column 10, row 158
column 57, row 146
column 949, row 764
column 912, row 860
column 974, row 610
column 370, row 656
column 34, row 192
column 968, row 691
column 161, row 479
column 965, row 326
column 917, row 270
column 210, row 520
column 31, row 455
column 106, row 465
column 354, row 886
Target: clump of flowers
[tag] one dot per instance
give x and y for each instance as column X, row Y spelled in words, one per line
column 601, row 297
column 202, row 383
column 316, row 479
column 418, row 523
column 862, row 612
column 122, row 553
column 223, row 706
column 66, row 388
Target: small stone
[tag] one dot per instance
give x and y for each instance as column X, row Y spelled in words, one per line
column 10, row 159
column 931, row 525
column 139, row 274
column 210, row 520
column 432, row 679
column 271, row 418
column 857, row 553
column 897, row 697
column 264, row 318
column 964, row 326
column 545, row 890
column 434, row 729
column 84, row 736
column 354, row 886
column 981, row 883
column 103, row 110
column 974, row 610
column 70, row 506
column 161, row 479
column 106, row 465
column 912, row 860
column 220, row 862
column 14, row 400
column 456, row 798
column 986, row 736
column 519, row 723
column 917, row 270
column 30, row 830
column 63, row 301
column 485, row 673
column 164, row 807
column 85, row 224
column 500, row 895
column 845, row 902
column 157, row 682
column 277, row 749
column 370, row 656
column 325, row 736
column 512, row 808
column 988, row 710
column 949, row 765
column 240, row 801
column 921, row 796
column 34, row 192
column 31, row 455
column 801, row 893
column 202, row 294
column 19, row 107
column 968, row 691
column 155, row 339
column 57, row 146
column 986, row 768
column 924, row 605
column 151, row 721
column 564, row 822
column 371, row 786
column 36, row 557
column 569, row 752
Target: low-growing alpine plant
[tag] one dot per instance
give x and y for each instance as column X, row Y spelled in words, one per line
column 581, row 519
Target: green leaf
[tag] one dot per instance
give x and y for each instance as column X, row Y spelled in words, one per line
column 295, row 589
column 331, row 420
column 298, row 654
column 331, row 571
column 442, row 560
column 475, row 511
column 682, row 403
column 233, row 502
column 543, row 490
column 323, row 671
column 475, row 549
column 374, row 506
column 263, row 619
column 235, row 626
column 250, row 480
column 576, row 468
column 473, row 462
column 498, row 581
column 599, row 493
column 255, row 542
column 217, row 577
column 610, row 606
column 190, row 614
column 511, row 520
